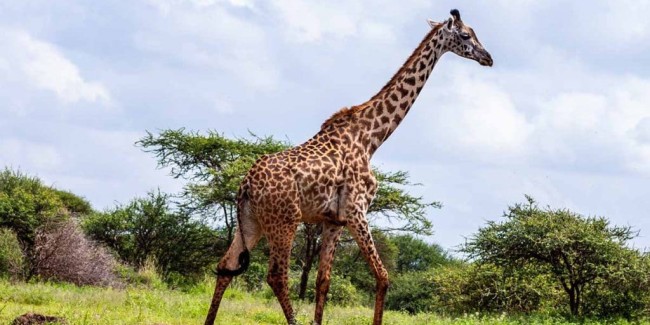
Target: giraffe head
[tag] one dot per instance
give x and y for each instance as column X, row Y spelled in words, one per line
column 461, row 39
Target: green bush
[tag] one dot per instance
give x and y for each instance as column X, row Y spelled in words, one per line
column 74, row 204
column 624, row 292
column 254, row 278
column 412, row 292
column 148, row 228
column 27, row 205
column 417, row 255
column 575, row 251
column 466, row 288
column 11, row 256
column 491, row 289
column 147, row 276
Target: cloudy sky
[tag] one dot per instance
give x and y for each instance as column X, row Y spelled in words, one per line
column 564, row 114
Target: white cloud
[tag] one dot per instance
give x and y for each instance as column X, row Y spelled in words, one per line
column 314, row 21
column 30, row 155
column 472, row 116
column 205, row 34
column 165, row 6
column 41, row 65
column 623, row 22
column 593, row 129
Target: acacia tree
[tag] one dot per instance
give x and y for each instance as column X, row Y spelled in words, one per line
column 214, row 166
column 577, row 251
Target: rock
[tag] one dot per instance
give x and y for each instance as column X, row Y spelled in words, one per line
column 37, row 319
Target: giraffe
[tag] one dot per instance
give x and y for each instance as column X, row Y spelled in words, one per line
column 328, row 179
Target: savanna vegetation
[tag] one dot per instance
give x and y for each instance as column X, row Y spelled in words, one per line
column 150, row 260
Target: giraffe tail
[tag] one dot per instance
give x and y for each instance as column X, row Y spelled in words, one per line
column 244, row 261
column 245, row 256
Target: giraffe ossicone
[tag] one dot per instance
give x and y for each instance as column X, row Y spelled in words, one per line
column 328, row 179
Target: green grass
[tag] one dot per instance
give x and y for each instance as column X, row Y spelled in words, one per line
column 91, row 305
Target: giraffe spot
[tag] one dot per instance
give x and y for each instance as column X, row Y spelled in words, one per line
column 390, row 107
column 410, row 81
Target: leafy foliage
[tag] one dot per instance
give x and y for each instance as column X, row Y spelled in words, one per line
column 416, row 255
column 624, row 290
column 456, row 289
column 11, row 256
column 393, row 203
column 577, row 251
column 214, row 165
column 75, row 205
column 147, row 228
column 25, row 206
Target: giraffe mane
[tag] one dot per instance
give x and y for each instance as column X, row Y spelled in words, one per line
column 342, row 113
column 348, row 111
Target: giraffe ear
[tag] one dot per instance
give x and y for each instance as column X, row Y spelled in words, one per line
column 432, row 23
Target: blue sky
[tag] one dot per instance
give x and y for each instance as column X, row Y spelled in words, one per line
column 564, row 114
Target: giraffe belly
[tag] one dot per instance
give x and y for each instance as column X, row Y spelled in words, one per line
column 318, row 207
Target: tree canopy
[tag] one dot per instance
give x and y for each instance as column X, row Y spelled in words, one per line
column 577, row 251
column 214, row 165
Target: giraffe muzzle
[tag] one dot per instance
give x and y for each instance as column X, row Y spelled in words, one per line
column 483, row 57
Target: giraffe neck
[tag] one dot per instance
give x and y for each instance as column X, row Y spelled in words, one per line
column 386, row 110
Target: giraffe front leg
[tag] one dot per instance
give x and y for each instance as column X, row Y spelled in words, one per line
column 329, row 239
column 358, row 227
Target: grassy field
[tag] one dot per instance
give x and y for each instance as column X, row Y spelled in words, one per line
column 90, row 305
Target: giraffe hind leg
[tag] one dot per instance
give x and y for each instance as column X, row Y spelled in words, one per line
column 278, row 276
column 233, row 263
column 330, row 238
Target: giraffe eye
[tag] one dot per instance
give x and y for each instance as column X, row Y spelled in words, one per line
column 465, row 36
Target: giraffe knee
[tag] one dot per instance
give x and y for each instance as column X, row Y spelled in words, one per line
column 383, row 282
column 276, row 278
column 322, row 283
column 272, row 279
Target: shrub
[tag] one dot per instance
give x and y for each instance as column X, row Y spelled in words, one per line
column 492, row 289
column 467, row 288
column 25, row 205
column 11, row 256
column 255, row 277
column 412, row 292
column 623, row 292
column 573, row 250
column 417, row 255
column 64, row 253
column 75, row 205
column 148, row 228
